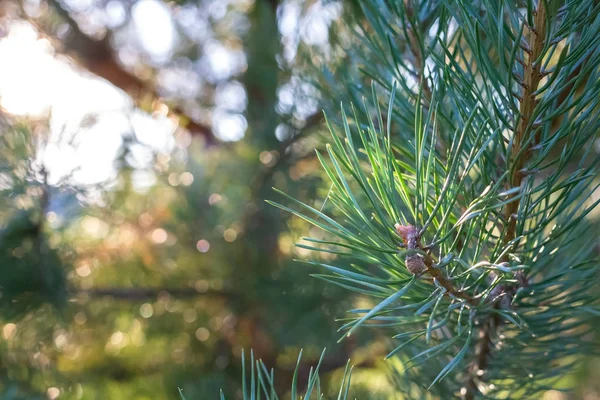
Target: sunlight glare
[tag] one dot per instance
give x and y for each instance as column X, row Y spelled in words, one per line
column 34, row 83
column 155, row 28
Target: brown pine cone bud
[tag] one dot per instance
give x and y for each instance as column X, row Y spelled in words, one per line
column 414, row 264
column 410, row 237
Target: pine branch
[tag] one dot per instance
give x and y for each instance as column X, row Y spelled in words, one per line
column 259, row 381
column 510, row 247
column 519, row 154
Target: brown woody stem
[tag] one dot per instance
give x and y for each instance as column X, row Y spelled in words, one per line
column 446, row 283
column 412, row 241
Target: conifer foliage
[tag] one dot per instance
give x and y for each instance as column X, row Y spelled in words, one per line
column 463, row 204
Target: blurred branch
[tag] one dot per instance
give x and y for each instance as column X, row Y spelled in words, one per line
column 41, row 245
column 146, row 293
column 285, row 157
column 98, row 57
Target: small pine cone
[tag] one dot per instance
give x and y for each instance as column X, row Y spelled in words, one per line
column 414, row 264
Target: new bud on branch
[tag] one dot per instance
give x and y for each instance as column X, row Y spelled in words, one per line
column 412, row 241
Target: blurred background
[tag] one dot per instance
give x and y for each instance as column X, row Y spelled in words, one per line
column 138, row 142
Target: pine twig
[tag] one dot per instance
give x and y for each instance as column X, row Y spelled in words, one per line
column 423, row 264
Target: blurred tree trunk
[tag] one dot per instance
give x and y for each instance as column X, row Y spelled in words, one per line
column 261, row 81
column 262, row 76
column 261, row 228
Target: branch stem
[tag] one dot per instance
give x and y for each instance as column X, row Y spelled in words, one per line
column 447, row 284
column 419, row 264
